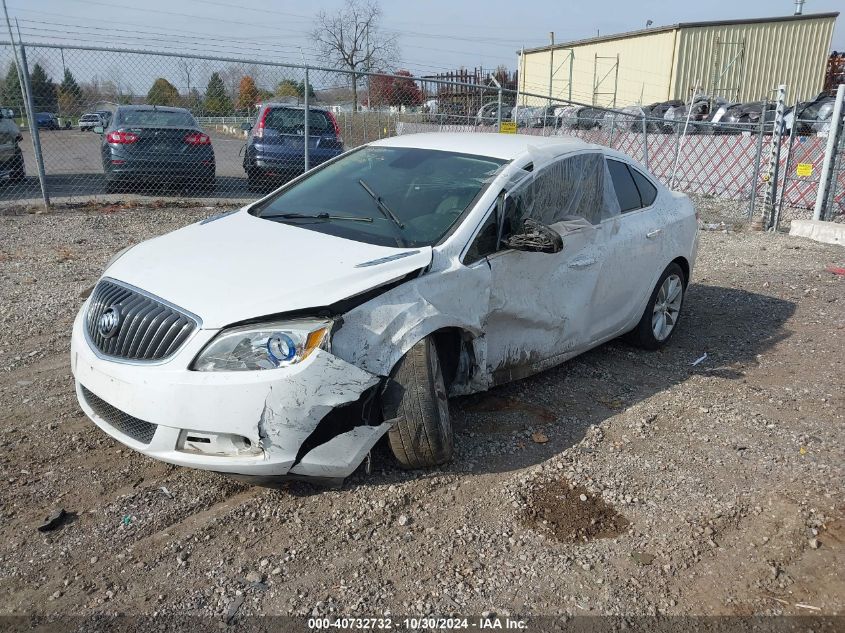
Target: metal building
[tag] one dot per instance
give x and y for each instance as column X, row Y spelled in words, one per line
column 741, row 60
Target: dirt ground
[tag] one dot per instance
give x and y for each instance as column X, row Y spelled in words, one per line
column 622, row 482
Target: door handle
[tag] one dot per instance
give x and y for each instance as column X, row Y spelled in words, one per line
column 652, row 234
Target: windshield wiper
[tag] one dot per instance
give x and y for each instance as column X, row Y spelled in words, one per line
column 317, row 216
column 382, row 205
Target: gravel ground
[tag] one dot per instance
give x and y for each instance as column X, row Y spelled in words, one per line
column 622, row 482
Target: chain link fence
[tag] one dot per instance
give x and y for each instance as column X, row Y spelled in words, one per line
column 138, row 123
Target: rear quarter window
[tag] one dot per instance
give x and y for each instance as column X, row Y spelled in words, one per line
column 648, row 192
column 623, row 183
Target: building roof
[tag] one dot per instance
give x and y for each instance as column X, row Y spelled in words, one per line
column 503, row 146
column 681, row 25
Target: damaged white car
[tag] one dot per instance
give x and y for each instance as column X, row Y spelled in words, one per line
column 288, row 337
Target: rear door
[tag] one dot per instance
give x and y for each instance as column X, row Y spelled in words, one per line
column 635, row 251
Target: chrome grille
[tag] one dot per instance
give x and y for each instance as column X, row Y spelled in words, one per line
column 138, row 430
column 149, row 329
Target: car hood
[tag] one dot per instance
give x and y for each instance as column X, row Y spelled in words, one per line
column 237, row 267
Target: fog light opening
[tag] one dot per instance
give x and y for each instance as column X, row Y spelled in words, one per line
column 221, row 444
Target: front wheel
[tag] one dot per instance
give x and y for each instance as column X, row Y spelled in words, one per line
column 415, row 399
column 663, row 310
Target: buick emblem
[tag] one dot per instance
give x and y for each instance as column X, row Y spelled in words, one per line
column 109, row 322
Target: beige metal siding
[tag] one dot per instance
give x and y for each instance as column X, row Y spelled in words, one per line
column 645, row 64
column 793, row 52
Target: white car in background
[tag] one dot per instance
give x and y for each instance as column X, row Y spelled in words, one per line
column 288, row 337
column 87, row 122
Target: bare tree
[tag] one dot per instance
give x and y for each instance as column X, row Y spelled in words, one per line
column 352, row 39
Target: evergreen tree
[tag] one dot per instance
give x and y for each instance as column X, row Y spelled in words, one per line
column 44, row 94
column 70, row 95
column 10, row 90
column 217, row 102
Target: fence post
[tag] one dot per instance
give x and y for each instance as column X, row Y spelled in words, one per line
column 306, row 131
column 758, row 161
column 777, row 210
column 33, row 127
column 645, row 141
column 499, row 112
column 774, row 160
column 829, row 155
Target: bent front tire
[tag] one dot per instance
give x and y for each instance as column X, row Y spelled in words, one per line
column 663, row 311
column 421, row 436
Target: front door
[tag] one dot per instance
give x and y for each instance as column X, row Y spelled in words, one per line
column 540, row 309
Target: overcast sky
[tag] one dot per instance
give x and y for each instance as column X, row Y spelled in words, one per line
column 433, row 34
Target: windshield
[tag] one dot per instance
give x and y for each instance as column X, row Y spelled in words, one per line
column 413, row 196
column 156, row 118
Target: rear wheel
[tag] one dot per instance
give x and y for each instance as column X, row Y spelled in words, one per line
column 415, row 399
column 254, row 180
column 663, row 310
column 18, row 170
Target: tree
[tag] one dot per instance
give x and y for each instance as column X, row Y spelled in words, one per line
column 352, row 39
column 10, row 90
column 396, row 90
column 287, row 89
column 70, row 95
column 44, row 94
column 247, row 94
column 290, row 89
column 163, row 93
column 217, row 102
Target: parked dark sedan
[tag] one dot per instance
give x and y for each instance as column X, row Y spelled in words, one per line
column 155, row 144
column 275, row 149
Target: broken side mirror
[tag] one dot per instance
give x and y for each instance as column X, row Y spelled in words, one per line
column 536, row 238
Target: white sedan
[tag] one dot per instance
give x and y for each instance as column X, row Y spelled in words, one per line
column 288, row 337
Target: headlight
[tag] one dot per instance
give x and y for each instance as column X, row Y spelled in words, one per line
column 263, row 345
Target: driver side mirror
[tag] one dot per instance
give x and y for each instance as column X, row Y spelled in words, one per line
column 246, row 126
column 535, row 238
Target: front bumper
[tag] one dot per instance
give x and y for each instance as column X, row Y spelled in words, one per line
column 275, row 410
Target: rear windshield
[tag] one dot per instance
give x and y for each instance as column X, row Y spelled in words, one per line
column 292, row 121
column 90, row 117
column 427, row 191
column 156, row 118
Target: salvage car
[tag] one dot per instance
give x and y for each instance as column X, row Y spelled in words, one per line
column 275, row 148
column 288, row 337
column 144, row 144
column 11, row 157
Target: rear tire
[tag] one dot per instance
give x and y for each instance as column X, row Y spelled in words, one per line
column 421, row 436
column 18, row 171
column 663, row 309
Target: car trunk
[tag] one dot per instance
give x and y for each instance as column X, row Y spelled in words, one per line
column 161, row 144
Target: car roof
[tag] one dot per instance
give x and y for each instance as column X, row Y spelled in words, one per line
column 291, row 106
column 151, row 107
column 504, row 146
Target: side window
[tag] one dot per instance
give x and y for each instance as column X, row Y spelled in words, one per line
column 648, row 192
column 623, row 183
column 485, row 241
column 568, row 188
